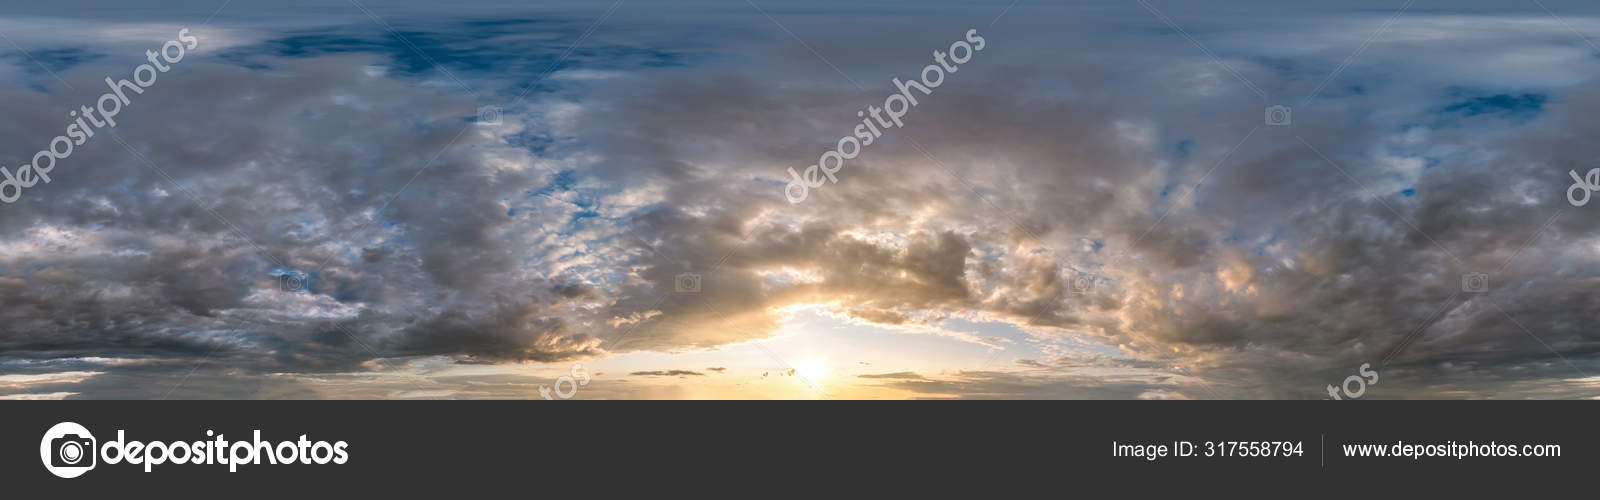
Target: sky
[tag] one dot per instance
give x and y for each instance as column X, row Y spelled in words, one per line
column 1135, row 199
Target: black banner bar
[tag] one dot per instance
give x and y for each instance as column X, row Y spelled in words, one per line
column 410, row 448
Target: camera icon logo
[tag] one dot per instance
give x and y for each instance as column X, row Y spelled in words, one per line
column 68, row 450
column 1083, row 284
column 292, row 282
column 1279, row 115
column 687, row 283
column 490, row 115
column 1475, row 283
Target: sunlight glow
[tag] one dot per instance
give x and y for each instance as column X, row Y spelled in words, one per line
column 811, row 369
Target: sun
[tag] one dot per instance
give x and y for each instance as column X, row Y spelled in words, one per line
column 811, row 369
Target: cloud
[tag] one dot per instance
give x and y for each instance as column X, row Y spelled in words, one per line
column 23, row 382
column 667, row 373
column 895, row 376
column 1264, row 261
column 1002, row 385
column 1030, row 363
column 39, row 397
